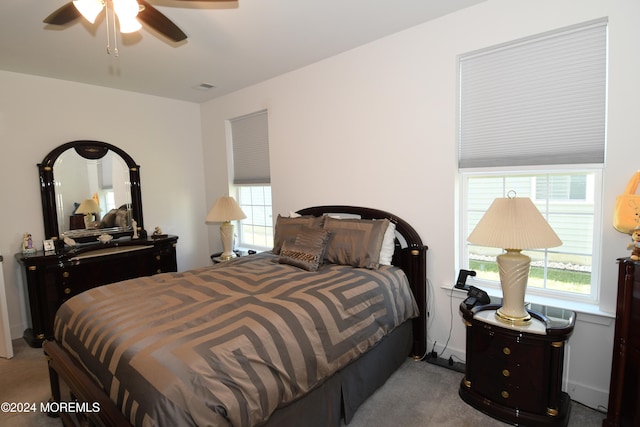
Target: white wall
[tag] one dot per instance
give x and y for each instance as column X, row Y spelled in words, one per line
column 376, row 126
column 163, row 136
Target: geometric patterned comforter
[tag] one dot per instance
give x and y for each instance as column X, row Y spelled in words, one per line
column 228, row 344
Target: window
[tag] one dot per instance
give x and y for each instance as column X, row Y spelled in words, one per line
column 567, row 269
column 251, row 179
column 532, row 118
column 256, row 231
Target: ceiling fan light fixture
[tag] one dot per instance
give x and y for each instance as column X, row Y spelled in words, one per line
column 126, row 8
column 89, row 8
column 128, row 25
column 126, row 11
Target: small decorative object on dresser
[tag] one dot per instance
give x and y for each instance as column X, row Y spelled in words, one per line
column 626, row 215
column 634, row 246
column 48, row 245
column 157, row 233
column 624, row 395
column 134, row 226
column 27, row 244
column 105, row 238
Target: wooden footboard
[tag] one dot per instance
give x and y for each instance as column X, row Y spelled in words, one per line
column 79, row 401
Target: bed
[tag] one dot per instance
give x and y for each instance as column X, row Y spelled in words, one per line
column 274, row 339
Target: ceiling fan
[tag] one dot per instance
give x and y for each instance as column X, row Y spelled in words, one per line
column 126, row 10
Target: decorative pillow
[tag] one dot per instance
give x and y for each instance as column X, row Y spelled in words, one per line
column 388, row 245
column 288, row 228
column 109, row 219
column 355, row 242
column 121, row 218
column 307, row 251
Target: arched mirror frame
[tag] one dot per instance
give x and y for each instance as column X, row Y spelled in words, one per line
column 89, row 150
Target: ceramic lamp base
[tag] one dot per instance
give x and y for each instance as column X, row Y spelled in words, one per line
column 514, row 274
column 226, row 235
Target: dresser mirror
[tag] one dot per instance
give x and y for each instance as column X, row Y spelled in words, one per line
column 86, row 171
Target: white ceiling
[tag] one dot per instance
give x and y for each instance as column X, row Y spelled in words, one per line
column 230, row 45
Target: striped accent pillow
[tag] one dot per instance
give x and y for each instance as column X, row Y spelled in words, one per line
column 307, row 251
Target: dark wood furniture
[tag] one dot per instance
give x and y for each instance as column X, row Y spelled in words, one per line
column 52, row 194
column 322, row 406
column 52, row 278
column 624, row 397
column 514, row 373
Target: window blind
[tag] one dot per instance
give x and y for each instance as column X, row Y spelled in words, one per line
column 250, row 140
column 538, row 101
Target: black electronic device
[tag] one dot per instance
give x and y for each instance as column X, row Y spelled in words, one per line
column 461, row 283
column 476, row 296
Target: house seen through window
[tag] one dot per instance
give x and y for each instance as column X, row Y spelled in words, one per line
column 567, row 200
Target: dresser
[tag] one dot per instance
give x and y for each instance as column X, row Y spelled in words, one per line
column 51, row 279
column 514, row 373
column 624, row 398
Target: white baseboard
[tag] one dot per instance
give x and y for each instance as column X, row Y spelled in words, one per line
column 588, row 396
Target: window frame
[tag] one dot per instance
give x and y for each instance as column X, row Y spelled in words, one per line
column 249, row 166
column 242, row 223
column 534, row 293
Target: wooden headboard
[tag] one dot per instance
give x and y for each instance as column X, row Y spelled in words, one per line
column 410, row 255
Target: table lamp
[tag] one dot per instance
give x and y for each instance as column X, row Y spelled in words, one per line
column 225, row 210
column 513, row 223
column 88, row 207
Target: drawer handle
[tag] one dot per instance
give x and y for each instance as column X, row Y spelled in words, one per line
column 505, row 394
column 65, row 274
column 505, row 373
column 159, row 270
column 67, row 291
column 506, row 351
column 158, row 257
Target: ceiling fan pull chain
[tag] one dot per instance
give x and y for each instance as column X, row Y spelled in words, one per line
column 106, row 17
column 115, row 31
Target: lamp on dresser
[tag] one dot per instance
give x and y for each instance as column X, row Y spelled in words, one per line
column 225, row 210
column 88, row 208
column 513, row 223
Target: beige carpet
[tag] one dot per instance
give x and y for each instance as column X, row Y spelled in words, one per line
column 417, row 395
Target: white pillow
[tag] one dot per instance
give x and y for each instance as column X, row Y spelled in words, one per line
column 388, row 245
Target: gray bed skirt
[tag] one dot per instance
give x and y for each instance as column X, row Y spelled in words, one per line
column 340, row 395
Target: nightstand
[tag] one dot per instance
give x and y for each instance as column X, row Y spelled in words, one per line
column 215, row 258
column 514, row 373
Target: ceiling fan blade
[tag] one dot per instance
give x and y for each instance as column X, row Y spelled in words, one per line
column 63, row 15
column 156, row 20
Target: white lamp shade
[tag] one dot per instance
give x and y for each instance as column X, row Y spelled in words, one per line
column 126, row 8
column 129, row 25
column 225, row 209
column 514, row 223
column 88, row 206
column 89, row 8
